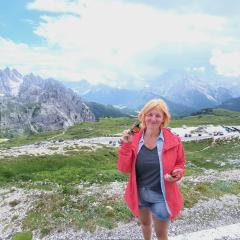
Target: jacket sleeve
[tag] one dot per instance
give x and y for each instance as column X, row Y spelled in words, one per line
column 125, row 158
column 180, row 163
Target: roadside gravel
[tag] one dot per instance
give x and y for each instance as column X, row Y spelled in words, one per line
column 15, row 203
column 204, row 215
column 214, row 175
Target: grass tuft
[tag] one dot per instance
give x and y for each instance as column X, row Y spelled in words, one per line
column 22, row 236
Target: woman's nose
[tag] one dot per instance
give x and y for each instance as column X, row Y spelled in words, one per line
column 154, row 118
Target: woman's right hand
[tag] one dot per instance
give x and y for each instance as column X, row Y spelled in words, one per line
column 126, row 136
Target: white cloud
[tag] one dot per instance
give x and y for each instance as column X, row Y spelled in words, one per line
column 129, row 28
column 52, row 63
column 12, row 54
column 57, row 6
column 226, row 63
column 114, row 32
column 196, row 69
column 108, row 41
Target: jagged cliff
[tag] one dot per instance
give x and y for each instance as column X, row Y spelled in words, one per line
column 30, row 103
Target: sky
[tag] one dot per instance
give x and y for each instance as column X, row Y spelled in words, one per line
column 121, row 43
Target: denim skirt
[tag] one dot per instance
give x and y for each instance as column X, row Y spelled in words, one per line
column 154, row 201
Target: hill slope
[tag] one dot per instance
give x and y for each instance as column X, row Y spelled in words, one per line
column 232, row 104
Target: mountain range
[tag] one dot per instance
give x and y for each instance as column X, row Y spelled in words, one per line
column 184, row 91
column 31, row 103
column 232, row 104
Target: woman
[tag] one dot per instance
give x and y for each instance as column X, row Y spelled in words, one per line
column 154, row 160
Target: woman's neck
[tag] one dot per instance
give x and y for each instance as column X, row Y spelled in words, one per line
column 152, row 133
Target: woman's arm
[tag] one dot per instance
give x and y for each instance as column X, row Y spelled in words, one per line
column 179, row 168
column 180, row 163
column 125, row 158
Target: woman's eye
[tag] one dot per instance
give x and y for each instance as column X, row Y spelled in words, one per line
column 151, row 115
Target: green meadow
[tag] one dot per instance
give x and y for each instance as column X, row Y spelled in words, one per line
column 99, row 166
column 111, row 126
column 65, row 204
column 210, row 116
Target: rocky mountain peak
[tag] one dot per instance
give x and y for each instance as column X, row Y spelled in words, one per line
column 36, row 104
column 10, row 81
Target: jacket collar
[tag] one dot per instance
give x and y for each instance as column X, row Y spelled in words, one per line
column 170, row 140
column 137, row 136
column 160, row 137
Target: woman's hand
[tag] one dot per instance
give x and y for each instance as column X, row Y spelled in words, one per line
column 175, row 175
column 126, row 136
column 170, row 178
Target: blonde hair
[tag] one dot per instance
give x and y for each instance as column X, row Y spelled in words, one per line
column 160, row 105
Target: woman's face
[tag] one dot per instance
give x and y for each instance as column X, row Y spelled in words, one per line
column 154, row 118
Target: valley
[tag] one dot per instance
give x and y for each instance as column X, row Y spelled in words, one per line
column 76, row 75
column 70, row 187
column 58, row 152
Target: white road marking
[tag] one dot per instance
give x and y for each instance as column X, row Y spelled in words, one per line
column 231, row 231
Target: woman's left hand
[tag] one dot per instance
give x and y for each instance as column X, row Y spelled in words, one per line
column 174, row 176
column 169, row 178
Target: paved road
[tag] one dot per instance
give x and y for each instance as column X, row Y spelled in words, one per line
column 229, row 232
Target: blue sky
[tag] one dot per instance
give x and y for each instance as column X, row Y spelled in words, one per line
column 121, row 43
column 16, row 22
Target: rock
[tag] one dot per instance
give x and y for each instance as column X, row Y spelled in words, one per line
column 37, row 104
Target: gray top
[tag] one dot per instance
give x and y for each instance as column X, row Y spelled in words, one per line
column 148, row 169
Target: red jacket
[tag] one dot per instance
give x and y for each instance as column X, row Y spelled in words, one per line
column 172, row 158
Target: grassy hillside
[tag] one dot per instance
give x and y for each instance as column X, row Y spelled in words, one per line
column 232, row 104
column 67, row 203
column 100, row 110
column 110, row 126
column 103, row 127
column 100, row 165
column 209, row 116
